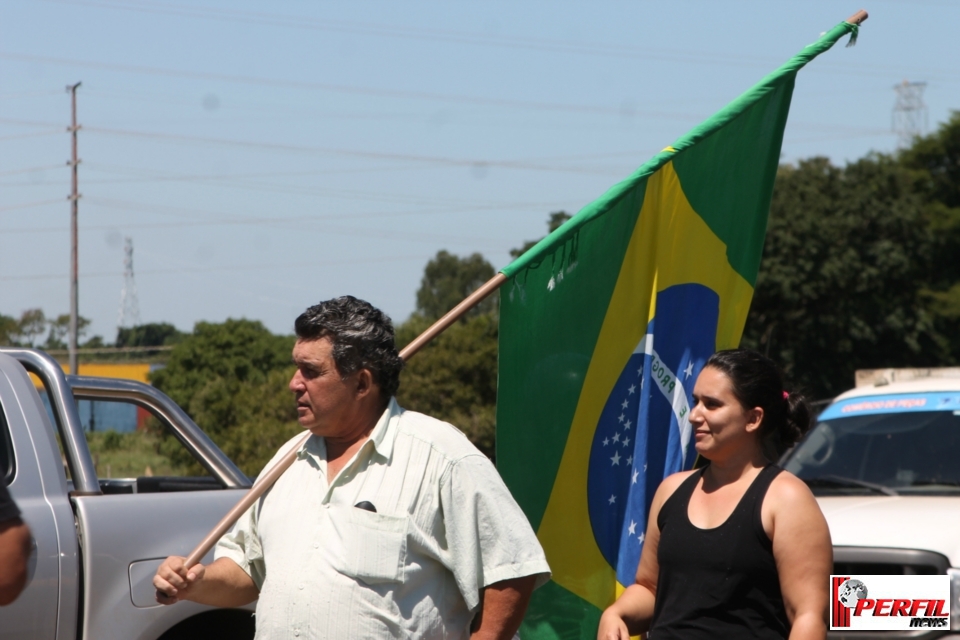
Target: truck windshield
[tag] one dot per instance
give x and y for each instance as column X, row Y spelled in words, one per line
column 904, row 452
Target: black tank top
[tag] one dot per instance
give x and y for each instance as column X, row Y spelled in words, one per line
column 720, row 582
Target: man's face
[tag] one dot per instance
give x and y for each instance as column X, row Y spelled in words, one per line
column 326, row 404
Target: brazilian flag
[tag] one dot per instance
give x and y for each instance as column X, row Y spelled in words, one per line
column 605, row 325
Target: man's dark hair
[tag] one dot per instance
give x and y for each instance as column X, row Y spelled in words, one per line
column 362, row 338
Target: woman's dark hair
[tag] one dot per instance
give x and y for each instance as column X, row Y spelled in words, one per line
column 362, row 338
column 757, row 382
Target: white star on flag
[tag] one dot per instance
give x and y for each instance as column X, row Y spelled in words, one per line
column 622, row 417
column 612, row 499
column 628, row 423
column 625, row 404
column 689, row 370
column 636, row 474
column 641, row 537
column 630, row 461
column 626, row 441
column 632, row 529
column 644, row 467
column 616, row 437
column 616, row 458
column 606, row 441
column 632, row 388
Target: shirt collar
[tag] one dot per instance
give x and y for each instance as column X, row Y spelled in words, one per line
column 383, row 435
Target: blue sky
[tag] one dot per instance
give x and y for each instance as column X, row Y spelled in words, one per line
column 265, row 156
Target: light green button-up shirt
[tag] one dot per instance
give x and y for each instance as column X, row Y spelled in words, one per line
column 445, row 527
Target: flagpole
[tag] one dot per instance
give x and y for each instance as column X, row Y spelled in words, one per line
column 270, row 476
column 266, row 479
column 858, row 17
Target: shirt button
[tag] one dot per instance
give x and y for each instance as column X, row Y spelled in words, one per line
column 296, row 632
column 316, row 545
column 301, row 587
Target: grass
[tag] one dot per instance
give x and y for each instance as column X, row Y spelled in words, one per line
column 131, row 455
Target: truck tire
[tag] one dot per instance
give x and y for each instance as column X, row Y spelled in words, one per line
column 231, row 624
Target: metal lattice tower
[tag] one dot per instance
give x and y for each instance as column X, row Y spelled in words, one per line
column 129, row 315
column 909, row 112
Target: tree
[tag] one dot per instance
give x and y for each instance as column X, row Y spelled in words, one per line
column 454, row 378
column 935, row 159
column 32, row 324
column 448, row 279
column 231, row 378
column 152, row 334
column 59, row 331
column 556, row 219
column 846, row 259
column 9, row 331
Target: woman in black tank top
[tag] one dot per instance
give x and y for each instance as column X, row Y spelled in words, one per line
column 738, row 548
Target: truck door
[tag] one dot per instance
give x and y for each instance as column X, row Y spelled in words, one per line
column 30, row 465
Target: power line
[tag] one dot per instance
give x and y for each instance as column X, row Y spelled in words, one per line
column 235, row 268
column 336, row 88
column 32, row 169
column 28, row 205
column 474, row 39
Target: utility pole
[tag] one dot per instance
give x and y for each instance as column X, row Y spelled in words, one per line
column 74, row 269
column 909, row 112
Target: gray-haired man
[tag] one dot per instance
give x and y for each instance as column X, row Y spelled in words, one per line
column 389, row 524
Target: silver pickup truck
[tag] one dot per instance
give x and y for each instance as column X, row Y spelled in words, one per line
column 97, row 541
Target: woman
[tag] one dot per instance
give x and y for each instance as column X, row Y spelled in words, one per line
column 738, row 548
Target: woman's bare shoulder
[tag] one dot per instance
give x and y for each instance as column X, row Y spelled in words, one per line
column 672, row 482
column 789, row 491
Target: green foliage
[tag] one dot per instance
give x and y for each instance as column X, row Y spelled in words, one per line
column 131, row 455
column 33, row 323
column 59, row 330
column 454, row 378
column 231, row 378
column 937, row 157
column 9, row 330
column 153, row 334
column 448, row 279
column 556, row 219
column 848, row 253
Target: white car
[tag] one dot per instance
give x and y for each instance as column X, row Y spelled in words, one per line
column 884, row 463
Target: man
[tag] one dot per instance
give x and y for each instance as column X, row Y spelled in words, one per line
column 14, row 548
column 389, row 524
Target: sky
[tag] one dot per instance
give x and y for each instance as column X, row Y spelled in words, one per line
column 262, row 157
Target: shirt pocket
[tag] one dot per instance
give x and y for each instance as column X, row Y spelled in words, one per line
column 371, row 547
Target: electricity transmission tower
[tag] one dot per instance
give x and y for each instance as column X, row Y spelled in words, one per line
column 129, row 315
column 909, row 112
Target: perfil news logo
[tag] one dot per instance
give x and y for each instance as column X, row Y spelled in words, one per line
column 889, row 603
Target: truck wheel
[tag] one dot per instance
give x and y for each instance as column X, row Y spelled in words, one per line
column 235, row 624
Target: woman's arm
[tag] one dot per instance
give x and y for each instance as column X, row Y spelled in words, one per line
column 803, row 552
column 631, row 614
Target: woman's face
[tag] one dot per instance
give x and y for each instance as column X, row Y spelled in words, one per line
column 721, row 425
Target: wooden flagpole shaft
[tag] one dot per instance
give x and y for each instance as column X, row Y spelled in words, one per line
column 858, row 17
column 267, row 479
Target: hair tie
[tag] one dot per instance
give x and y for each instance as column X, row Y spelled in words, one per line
column 786, row 395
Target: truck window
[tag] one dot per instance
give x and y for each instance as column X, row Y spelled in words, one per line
column 133, row 451
column 128, row 442
column 915, row 452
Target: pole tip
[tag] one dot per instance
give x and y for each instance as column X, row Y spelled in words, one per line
column 859, row 17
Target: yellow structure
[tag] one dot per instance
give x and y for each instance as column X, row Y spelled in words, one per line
column 126, row 371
